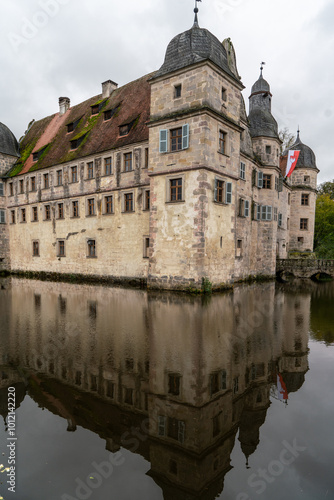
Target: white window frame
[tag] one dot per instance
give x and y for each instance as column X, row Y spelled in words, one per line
column 242, row 170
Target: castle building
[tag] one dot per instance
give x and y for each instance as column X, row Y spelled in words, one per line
column 165, row 180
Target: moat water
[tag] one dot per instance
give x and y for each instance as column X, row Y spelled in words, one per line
column 123, row 394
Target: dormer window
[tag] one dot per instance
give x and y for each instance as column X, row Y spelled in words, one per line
column 75, row 143
column 36, row 156
column 109, row 113
column 177, row 91
column 96, row 108
column 71, row 126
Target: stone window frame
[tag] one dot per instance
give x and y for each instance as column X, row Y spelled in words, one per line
column 268, row 149
column 21, row 184
column 91, row 206
column 60, row 177
column 91, row 248
column 2, row 216
column 305, row 197
column 128, row 161
column 106, row 204
column 12, row 217
column 146, row 247
column 60, row 211
column 73, row 216
column 266, row 213
column 46, row 180
column 165, row 139
column 169, row 180
column 146, row 157
column 74, row 174
column 90, row 170
column 35, row 248
column 243, row 207
column 33, row 183
column 267, row 181
column 108, row 166
column 223, row 141
column 178, row 91
column 146, row 199
column 11, row 188
column 280, row 220
column 125, row 200
column 34, row 213
column 307, row 179
column 303, row 224
column 47, row 212
column 222, row 191
column 23, row 216
column 61, row 247
column 2, row 190
column 239, row 248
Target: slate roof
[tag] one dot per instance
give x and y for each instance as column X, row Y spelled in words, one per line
column 193, row 46
column 262, row 123
column 130, row 103
column 306, row 157
column 8, row 142
column 261, row 85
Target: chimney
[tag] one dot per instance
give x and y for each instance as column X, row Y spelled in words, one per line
column 107, row 88
column 64, row 105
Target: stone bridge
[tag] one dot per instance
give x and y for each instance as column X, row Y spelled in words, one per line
column 305, row 268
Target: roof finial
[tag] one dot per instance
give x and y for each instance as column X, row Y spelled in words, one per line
column 196, row 12
column 261, row 68
column 298, row 138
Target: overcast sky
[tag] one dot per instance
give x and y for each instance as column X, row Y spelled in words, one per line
column 53, row 48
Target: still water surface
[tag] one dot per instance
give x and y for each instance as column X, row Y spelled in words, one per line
column 123, row 394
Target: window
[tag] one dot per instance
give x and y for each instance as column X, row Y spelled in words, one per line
column 176, row 429
column 34, row 214
column 107, row 166
column 266, row 212
column 243, row 208
column 305, row 199
column 289, row 198
column 74, row 174
column 146, row 158
column 36, row 156
column 2, row 217
column 61, row 248
column 108, row 205
column 75, row 208
column 307, row 179
column 266, row 181
column 288, row 223
column 23, row 215
column 146, row 247
column 11, row 189
column 47, row 212
column 60, row 208
column 46, row 180
column 174, row 384
column 223, row 191
column 300, row 239
column 304, row 224
column 33, row 183
column 175, row 186
column 1, row 189
column 96, row 108
column 91, row 206
column 260, row 180
column 12, row 213
column 35, row 248
column 90, row 170
column 107, row 114
column 147, row 199
column 177, row 91
column 91, row 248
column 236, row 385
column 127, row 162
column 75, row 143
column 21, row 186
column 239, row 248
column 242, row 171
column 280, row 220
column 179, row 139
column 71, row 126
column 268, row 150
column 222, row 142
column 128, row 202
column 276, row 183
column 224, row 94
column 59, row 177
column 275, row 213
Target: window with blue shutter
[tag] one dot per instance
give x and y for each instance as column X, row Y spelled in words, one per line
column 1, row 189
column 2, row 217
column 246, row 208
column 258, row 214
column 228, row 194
column 163, row 141
column 260, row 180
column 280, row 219
column 266, row 212
column 185, row 136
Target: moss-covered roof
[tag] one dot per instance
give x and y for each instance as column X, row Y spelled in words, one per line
column 129, row 103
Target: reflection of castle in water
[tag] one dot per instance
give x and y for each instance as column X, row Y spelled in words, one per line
column 167, row 376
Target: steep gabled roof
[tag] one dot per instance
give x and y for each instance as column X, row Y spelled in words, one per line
column 50, row 140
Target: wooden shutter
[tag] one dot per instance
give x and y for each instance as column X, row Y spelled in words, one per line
column 228, row 194
column 163, row 141
column 185, row 136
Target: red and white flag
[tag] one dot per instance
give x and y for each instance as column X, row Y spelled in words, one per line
column 291, row 163
column 281, row 387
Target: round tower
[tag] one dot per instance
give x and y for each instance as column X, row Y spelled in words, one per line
column 9, row 149
column 303, row 182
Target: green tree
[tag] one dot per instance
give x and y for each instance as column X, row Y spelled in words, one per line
column 327, row 188
column 324, row 226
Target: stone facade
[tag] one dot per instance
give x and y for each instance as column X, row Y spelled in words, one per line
column 165, row 180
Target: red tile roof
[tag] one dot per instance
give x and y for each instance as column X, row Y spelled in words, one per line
column 130, row 103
